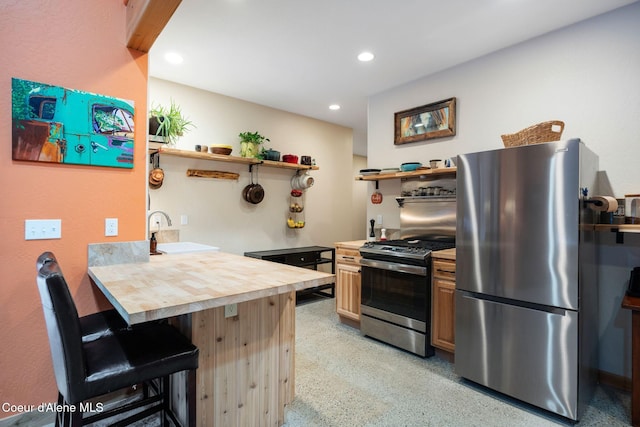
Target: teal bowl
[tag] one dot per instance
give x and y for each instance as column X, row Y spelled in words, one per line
column 408, row 167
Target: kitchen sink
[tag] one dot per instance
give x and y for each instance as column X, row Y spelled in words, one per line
column 184, row 247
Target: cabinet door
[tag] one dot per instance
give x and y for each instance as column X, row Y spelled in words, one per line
column 348, row 291
column 443, row 311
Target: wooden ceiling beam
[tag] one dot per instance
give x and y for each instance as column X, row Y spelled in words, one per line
column 146, row 19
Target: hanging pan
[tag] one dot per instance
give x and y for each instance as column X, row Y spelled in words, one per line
column 156, row 176
column 376, row 197
column 253, row 193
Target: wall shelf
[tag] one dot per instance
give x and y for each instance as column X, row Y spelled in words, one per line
column 166, row 151
column 619, row 229
column 399, row 175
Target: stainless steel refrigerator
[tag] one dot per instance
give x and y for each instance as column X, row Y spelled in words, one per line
column 526, row 275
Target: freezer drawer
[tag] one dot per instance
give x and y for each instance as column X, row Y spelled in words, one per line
column 529, row 354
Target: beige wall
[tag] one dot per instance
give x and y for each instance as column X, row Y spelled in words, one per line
column 216, row 212
column 361, row 198
column 587, row 76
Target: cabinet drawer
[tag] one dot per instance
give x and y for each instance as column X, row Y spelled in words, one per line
column 348, row 259
column 444, row 268
column 302, row 259
column 347, row 252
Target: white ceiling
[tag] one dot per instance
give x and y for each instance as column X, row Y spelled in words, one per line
column 300, row 55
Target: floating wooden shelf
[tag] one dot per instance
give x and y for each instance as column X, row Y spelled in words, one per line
column 619, row 228
column 231, row 159
column 398, row 175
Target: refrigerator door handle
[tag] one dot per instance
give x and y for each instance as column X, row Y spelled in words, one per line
column 508, row 301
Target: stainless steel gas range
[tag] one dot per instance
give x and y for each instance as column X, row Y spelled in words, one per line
column 396, row 275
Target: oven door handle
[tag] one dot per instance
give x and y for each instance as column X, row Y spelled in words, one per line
column 392, row 266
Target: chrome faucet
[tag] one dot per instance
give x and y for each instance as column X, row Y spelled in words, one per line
column 160, row 212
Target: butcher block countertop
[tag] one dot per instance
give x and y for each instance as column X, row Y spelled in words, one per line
column 354, row 244
column 445, row 254
column 171, row 285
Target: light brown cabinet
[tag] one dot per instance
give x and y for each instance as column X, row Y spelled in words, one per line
column 348, row 282
column 443, row 304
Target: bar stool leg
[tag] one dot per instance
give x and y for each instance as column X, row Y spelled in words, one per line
column 60, row 414
column 76, row 418
column 166, row 400
column 191, row 397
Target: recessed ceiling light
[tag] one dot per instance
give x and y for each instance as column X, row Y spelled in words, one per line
column 173, row 58
column 334, row 107
column 366, row 56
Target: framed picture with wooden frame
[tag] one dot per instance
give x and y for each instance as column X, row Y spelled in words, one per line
column 436, row 120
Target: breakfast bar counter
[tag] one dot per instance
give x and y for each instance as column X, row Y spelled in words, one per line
column 246, row 366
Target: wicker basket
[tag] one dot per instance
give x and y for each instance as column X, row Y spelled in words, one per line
column 542, row 132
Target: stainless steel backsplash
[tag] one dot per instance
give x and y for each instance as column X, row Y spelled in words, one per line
column 428, row 216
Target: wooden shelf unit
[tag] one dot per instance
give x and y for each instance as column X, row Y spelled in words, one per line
column 166, row 151
column 398, row 175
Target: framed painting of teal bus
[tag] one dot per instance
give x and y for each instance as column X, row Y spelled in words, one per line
column 60, row 125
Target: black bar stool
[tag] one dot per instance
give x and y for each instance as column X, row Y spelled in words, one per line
column 120, row 358
column 94, row 325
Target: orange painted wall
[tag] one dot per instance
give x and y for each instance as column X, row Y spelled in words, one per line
column 76, row 44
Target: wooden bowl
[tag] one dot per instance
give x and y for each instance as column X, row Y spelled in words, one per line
column 221, row 149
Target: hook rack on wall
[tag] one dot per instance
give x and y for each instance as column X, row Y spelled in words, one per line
column 154, row 160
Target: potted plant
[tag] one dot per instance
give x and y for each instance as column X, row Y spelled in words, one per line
column 168, row 123
column 250, row 144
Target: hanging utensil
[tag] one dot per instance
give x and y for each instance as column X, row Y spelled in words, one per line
column 156, row 175
column 376, row 197
column 245, row 191
column 253, row 193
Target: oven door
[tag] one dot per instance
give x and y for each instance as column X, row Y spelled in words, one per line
column 399, row 289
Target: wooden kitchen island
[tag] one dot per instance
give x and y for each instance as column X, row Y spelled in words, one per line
column 246, row 364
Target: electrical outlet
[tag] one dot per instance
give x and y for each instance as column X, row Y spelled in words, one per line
column 40, row 229
column 184, row 219
column 111, row 226
column 230, row 310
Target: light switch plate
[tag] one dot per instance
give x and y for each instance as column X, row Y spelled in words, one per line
column 111, row 226
column 42, row 229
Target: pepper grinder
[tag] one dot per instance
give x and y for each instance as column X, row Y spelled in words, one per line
column 372, row 235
